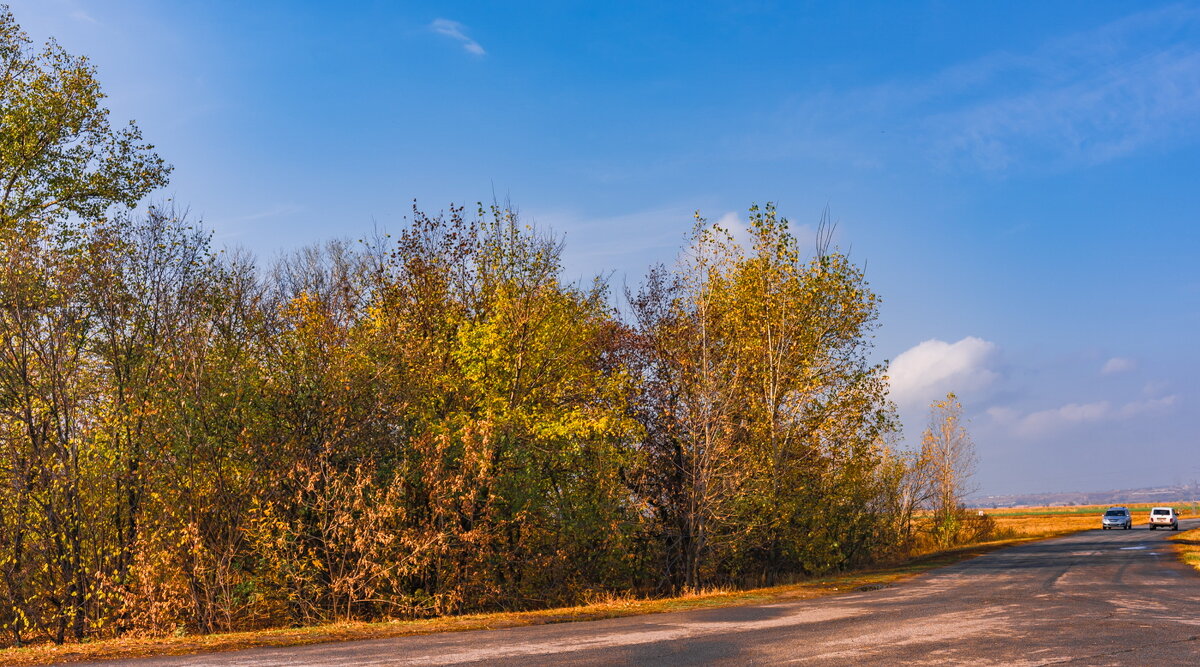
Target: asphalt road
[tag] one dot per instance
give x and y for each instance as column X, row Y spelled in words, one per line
column 1115, row 597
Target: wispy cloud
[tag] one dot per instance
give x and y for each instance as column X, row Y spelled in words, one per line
column 1089, row 118
column 235, row 226
column 1044, row 422
column 458, row 32
column 620, row 246
column 1054, row 420
column 1149, row 406
column 80, row 15
column 1079, row 100
column 1118, row 365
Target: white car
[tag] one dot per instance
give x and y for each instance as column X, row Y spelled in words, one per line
column 1164, row 516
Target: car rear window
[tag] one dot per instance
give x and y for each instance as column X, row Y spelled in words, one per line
column 1162, row 511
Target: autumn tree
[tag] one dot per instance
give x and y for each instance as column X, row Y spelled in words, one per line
column 515, row 417
column 948, row 457
column 689, row 385
column 429, row 424
column 150, row 277
column 432, row 423
column 62, row 166
column 59, row 154
column 814, row 409
column 763, row 418
column 325, row 526
column 46, row 380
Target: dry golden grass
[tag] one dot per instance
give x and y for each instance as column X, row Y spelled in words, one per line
column 1014, row 526
column 1187, row 545
column 1050, row 521
column 1048, row 525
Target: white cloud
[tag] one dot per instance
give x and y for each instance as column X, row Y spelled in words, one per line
column 737, row 228
column 930, row 369
column 1048, row 422
column 457, row 31
column 1118, row 365
column 1155, row 388
column 1149, row 406
column 1044, row 422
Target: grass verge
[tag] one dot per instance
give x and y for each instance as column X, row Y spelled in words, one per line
column 1187, row 545
column 1027, row 525
column 821, row 587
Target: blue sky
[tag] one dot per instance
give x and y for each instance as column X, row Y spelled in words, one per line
column 1018, row 178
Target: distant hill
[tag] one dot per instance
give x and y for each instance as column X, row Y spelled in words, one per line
column 1158, row 494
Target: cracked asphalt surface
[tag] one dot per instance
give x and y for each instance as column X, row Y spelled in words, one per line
column 1116, row 597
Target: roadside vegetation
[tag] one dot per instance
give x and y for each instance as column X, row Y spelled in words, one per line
column 614, row 607
column 435, row 424
column 1187, row 545
column 611, row 606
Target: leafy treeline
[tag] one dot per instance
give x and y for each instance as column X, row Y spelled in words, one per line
column 433, row 423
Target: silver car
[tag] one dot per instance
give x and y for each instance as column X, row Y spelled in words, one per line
column 1117, row 517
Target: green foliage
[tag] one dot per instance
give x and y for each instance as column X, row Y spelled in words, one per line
column 764, row 420
column 437, row 423
column 429, row 425
column 59, row 154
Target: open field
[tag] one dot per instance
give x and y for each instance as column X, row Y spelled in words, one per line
column 1184, row 509
column 1016, row 527
column 1046, row 522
